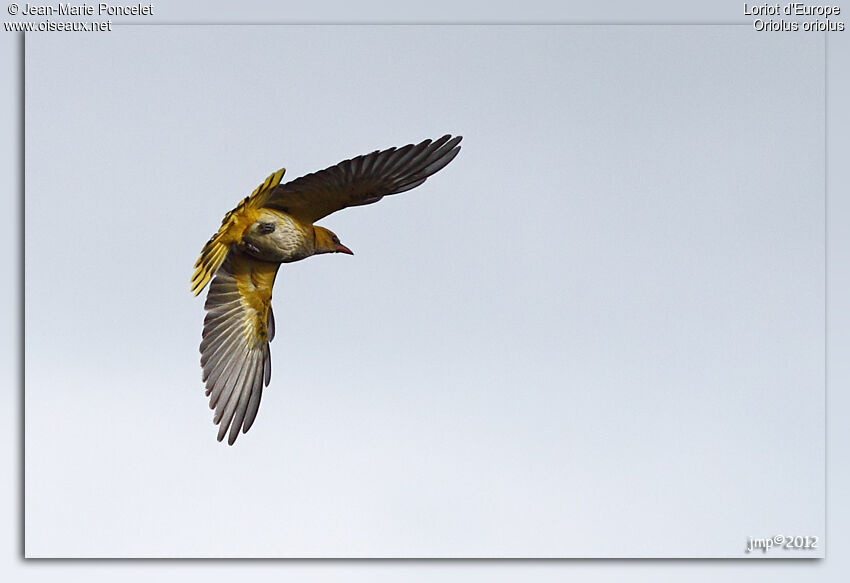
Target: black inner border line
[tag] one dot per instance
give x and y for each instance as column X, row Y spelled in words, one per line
column 825, row 289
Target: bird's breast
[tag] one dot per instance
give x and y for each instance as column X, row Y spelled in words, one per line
column 276, row 236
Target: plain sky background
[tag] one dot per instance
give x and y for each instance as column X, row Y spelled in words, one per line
column 598, row 332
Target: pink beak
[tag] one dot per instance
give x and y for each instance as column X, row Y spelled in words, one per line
column 340, row 248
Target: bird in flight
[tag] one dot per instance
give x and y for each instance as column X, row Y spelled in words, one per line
column 272, row 226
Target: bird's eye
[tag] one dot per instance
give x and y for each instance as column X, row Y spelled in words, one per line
column 335, row 239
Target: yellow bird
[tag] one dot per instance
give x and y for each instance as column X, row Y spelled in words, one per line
column 272, row 226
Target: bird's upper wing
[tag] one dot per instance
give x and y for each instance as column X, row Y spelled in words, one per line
column 362, row 180
column 235, row 347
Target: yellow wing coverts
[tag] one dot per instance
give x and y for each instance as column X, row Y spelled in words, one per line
column 232, row 226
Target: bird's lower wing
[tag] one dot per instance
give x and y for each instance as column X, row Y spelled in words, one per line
column 362, row 180
column 235, row 347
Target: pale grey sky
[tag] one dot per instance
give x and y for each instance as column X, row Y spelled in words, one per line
column 598, row 332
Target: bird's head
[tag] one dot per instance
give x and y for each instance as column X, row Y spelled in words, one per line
column 327, row 242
